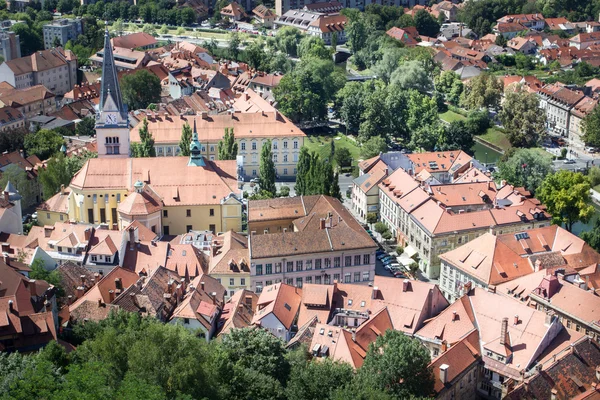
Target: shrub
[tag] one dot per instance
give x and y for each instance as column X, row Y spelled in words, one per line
column 380, row 228
column 399, row 250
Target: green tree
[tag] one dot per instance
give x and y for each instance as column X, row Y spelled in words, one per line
column 234, row 45
column 501, row 40
column 303, row 94
column 228, row 147
column 373, row 147
column 456, row 136
column 12, row 139
column 267, row 170
column 146, row 146
column 398, row 365
column 60, row 170
column 334, row 190
column 118, row 26
column 592, row 237
column 449, row 84
column 482, row 91
column 566, row 194
column 318, row 380
column 334, row 41
column 478, row 121
column 56, row 42
column 140, row 89
column 186, row 140
column 287, row 39
column 149, row 29
column 86, row 127
column 26, row 187
column 356, row 31
column 52, row 277
column 343, row 157
column 425, row 23
column 43, row 143
column 180, row 31
column 591, row 128
column 412, row 75
column 350, row 105
column 163, row 30
column 525, row 125
column 525, row 167
column 313, row 46
column 380, row 228
column 302, row 171
column 371, row 217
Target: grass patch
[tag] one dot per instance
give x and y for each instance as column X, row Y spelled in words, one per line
column 321, row 144
column 496, row 137
column 451, row 116
column 597, row 188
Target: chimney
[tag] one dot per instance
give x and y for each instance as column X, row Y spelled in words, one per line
column 587, row 282
column 549, row 318
column 118, row 284
column 516, row 320
column 537, row 265
column 553, row 394
column 134, row 300
column 11, row 306
column 79, row 291
column 322, row 223
column 111, row 296
column 82, row 280
column 405, row 285
column 131, row 239
column 503, row 331
column 204, row 115
column 69, row 300
column 99, row 302
column 444, row 346
column 202, row 285
column 88, row 234
column 6, row 258
column 502, row 183
column 492, row 288
column 454, row 316
column 62, row 189
column 214, row 297
column 598, row 373
column 32, row 288
column 444, row 373
column 375, row 292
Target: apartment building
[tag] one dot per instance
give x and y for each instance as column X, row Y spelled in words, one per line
column 315, row 24
column 123, row 58
column 251, row 131
column 578, row 113
column 432, row 217
column 10, row 46
column 277, row 309
column 558, row 101
column 61, row 31
column 56, row 69
column 321, row 244
column 282, row 6
column 30, row 102
column 11, row 118
column 584, row 40
column 491, row 260
column 138, row 40
column 531, row 21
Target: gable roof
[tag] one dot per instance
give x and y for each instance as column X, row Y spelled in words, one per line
column 458, row 359
column 134, row 40
column 281, row 300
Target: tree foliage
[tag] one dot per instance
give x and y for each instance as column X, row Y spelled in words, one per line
column 267, row 170
column 483, row 91
column 59, row 170
column 315, row 176
column 146, row 146
column 228, row 147
column 566, row 194
column 43, row 143
column 526, row 168
column 373, row 147
column 140, row 89
column 186, row 140
column 591, row 128
column 525, row 125
column 449, row 84
column 86, row 127
column 25, row 185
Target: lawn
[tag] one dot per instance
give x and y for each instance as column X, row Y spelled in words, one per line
column 451, row 116
column 496, row 137
column 597, row 188
column 321, row 144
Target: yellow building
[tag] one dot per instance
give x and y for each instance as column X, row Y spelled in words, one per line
column 55, row 209
column 170, row 195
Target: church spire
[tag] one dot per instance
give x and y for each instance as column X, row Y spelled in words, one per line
column 110, row 83
column 196, row 158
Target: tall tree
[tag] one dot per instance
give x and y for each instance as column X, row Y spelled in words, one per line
column 592, row 237
column 266, row 180
column 397, row 364
column 334, row 190
column 86, row 127
column 43, row 143
column 350, row 105
column 234, row 45
column 373, row 147
column 412, row 75
column 18, row 177
column 525, row 125
column 591, row 128
column 186, row 140
column 228, row 147
column 146, row 146
column 525, row 167
column 483, row 91
column 449, row 84
column 567, row 196
column 318, row 380
column 425, row 23
column 140, row 89
column 302, row 171
column 456, row 136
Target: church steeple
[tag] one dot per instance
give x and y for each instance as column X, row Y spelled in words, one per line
column 110, row 95
column 196, row 158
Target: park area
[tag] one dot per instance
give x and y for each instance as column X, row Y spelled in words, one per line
column 319, row 140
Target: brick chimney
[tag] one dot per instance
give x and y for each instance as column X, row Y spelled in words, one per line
column 406, row 285
column 111, row 296
column 454, row 316
column 118, row 284
column 444, row 373
column 82, row 277
column 503, row 330
column 100, row 303
column 131, row 238
column 69, row 299
column 375, row 292
column 11, row 306
column 134, row 300
column 32, row 288
column 516, row 320
column 79, row 291
column 214, row 297
column 202, row 285
column 322, row 223
column 444, row 346
column 6, row 258
column 62, row 189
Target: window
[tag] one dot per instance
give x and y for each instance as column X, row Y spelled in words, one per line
column 308, row 264
column 188, row 213
column 188, row 228
column 365, row 276
column 94, row 258
column 285, row 144
column 275, row 158
column 318, row 279
column 243, row 146
column 367, row 259
column 308, row 279
column 231, row 281
column 107, row 259
column 289, row 266
column 165, row 213
column 211, row 212
column 356, row 260
column 253, row 145
column 299, row 265
column 347, row 278
column 274, row 144
column 336, row 262
column 278, row 268
column 290, row 281
column 295, row 144
column 253, row 172
column 259, row 269
column 259, row 287
column 299, row 282
column 318, row 263
column 348, row 261
column 327, row 279
column 357, row 277
column 60, row 249
column 285, row 171
column 166, row 230
column 327, row 262
column 285, row 158
column 212, row 228
column 243, row 281
column 268, row 269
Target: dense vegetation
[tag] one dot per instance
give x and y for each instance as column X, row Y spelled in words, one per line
column 129, row 357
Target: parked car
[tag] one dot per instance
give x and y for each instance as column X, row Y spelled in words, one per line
column 569, row 161
column 591, row 149
column 34, row 215
column 382, row 255
column 26, row 218
column 400, row 275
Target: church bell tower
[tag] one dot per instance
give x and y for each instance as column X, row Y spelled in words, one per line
column 112, row 126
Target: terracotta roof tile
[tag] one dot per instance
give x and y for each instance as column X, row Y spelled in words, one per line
column 282, row 300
